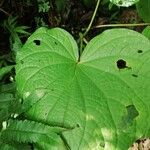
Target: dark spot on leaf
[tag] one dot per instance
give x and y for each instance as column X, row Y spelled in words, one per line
column 102, row 144
column 52, row 89
column 140, row 51
column 21, row 101
column 134, row 75
column 78, row 125
column 121, row 64
column 129, row 116
column 21, row 61
column 56, row 43
column 45, row 114
column 37, row 42
column 132, row 113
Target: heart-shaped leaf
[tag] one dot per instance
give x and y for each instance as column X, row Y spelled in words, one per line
column 101, row 98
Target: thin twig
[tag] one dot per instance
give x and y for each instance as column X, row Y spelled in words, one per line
column 121, row 25
column 2, row 10
column 85, row 41
column 88, row 28
column 93, row 16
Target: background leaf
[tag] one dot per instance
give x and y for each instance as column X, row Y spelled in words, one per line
column 5, row 70
column 30, row 131
column 124, row 3
column 143, row 8
column 9, row 106
column 89, row 3
column 61, row 4
column 146, row 32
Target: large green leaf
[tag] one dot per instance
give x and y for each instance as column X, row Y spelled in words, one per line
column 102, row 98
column 143, row 8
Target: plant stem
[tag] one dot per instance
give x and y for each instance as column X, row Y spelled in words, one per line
column 81, row 44
column 121, row 25
column 2, row 10
column 93, row 16
column 88, row 28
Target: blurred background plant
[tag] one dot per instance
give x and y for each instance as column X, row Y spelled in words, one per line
column 16, row 33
